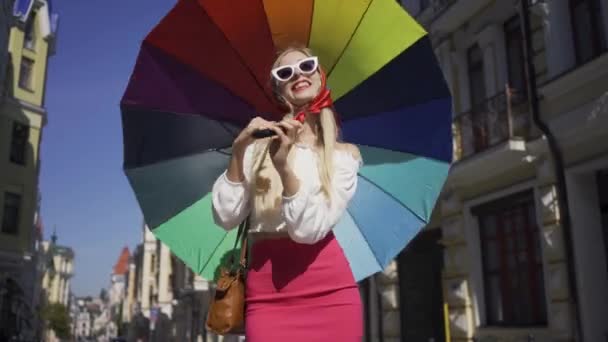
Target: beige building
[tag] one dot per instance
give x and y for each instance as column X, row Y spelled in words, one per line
column 517, row 249
column 56, row 281
column 165, row 299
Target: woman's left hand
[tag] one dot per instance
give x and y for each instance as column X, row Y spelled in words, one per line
column 286, row 135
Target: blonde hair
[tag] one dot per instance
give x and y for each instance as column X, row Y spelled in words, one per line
column 266, row 183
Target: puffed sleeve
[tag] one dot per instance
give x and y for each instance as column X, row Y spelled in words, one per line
column 308, row 214
column 230, row 200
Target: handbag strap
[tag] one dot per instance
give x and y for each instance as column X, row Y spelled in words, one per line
column 241, row 236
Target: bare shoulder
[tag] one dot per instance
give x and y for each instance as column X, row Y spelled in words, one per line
column 350, row 148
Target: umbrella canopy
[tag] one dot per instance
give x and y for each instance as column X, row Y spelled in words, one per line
column 204, row 71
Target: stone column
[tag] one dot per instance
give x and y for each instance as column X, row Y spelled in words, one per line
column 456, row 273
column 444, row 56
column 165, row 296
column 388, row 283
column 149, row 249
column 66, row 293
column 559, row 300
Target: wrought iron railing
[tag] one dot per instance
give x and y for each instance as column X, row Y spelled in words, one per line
column 500, row 118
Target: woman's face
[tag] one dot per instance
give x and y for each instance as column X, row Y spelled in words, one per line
column 300, row 89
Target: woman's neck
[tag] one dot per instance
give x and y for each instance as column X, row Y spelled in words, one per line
column 309, row 133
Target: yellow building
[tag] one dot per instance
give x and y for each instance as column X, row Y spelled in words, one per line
column 27, row 40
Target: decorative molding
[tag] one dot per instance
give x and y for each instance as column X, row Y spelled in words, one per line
column 560, row 319
column 552, row 243
column 390, row 297
column 460, row 322
column 557, row 281
column 456, row 259
column 390, row 274
column 391, row 323
column 548, row 204
column 453, row 228
column 545, row 171
column 457, row 291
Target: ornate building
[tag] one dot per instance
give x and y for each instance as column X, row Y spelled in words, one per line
column 517, row 249
column 27, row 40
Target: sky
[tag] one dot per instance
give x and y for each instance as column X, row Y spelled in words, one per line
column 85, row 194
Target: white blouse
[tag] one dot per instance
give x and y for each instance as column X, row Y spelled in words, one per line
column 307, row 216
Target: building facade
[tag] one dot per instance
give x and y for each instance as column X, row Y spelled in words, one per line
column 164, row 299
column 517, row 248
column 27, row 38
column 56, row 282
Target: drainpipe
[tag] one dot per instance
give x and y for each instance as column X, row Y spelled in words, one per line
column 562, row 193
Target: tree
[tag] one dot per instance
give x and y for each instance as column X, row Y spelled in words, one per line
column 58, row 319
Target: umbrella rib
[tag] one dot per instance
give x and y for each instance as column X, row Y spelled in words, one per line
column 392, row 197
column 397, row 151
column 349, row 39
column 214, row 250
column 312, row 15
column 209, row 150
column 236, row 52
column 368, row 114
column 365, row 238
column 175, row 60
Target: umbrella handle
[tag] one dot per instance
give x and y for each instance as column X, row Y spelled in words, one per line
column 263, row 133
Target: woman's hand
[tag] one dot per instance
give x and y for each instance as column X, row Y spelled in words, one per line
column 286, row 135
column 245, row 138
column 235, row 172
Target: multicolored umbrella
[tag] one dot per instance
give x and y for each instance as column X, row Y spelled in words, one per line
column 204, row 71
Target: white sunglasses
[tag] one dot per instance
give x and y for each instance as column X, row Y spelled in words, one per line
column 306, row 66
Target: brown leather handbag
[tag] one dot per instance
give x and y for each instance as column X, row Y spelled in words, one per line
column 227, row 310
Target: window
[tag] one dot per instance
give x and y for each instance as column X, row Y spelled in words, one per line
column 477, row 81
column 10, row 217
column 515, row 55
column 511, row 262
column 476, row 75
column 19, row 141
column 29, row 40
column 587, row 29
column 26, row 73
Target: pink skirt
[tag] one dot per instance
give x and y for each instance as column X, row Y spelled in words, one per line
column 297, row 292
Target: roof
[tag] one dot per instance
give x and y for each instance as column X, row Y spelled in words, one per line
column 122, row 265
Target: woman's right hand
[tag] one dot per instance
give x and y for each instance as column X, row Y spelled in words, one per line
column 245, row 138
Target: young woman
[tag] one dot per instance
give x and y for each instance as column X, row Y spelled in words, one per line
column 295, row 186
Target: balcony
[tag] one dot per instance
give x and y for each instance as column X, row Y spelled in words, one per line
column 491, row 137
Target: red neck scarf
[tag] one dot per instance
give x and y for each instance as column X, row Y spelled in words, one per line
column 323, row 100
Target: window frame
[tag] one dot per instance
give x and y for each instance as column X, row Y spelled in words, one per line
column 532, row 281
column 29, row 84
column 513, row 29
column 598, row 39
column 18, row 154
column 14, row 230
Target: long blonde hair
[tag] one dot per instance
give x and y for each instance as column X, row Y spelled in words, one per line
column 266, row 183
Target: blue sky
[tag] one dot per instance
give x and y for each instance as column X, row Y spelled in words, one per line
column 84, row 191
